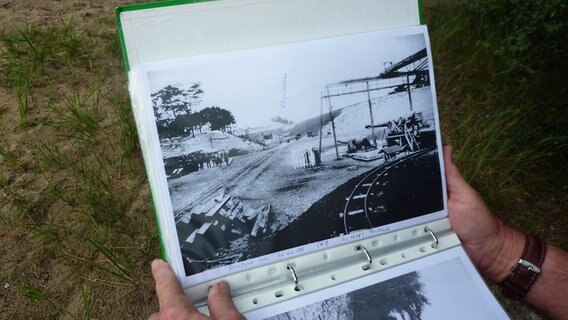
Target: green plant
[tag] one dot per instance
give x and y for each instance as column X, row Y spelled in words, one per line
column 127, row 135
column 31, row 56
column 529, row 35
column 36, row 52
column 509, row 130
column 52, row 155
column 27, row 54
column 10, row 158
column 97, row 189
column 4, row 181
column 120, row 269
column 33, row 293
column 67, row 174
column 493, row 151
column 501, row 106
column 45, row 232
column 87, row 298
column 72, row 43
column 24, row 93
column 79, row 116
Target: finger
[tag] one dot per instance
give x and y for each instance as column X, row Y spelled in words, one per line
column 221, row 304
column 168, row 289
column 448, row 152
column 454, row 179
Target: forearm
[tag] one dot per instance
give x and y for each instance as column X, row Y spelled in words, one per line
column 496, row 248
column 504, row 254
column 549, row 293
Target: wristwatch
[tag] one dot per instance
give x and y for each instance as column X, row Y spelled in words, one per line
column 527, row 269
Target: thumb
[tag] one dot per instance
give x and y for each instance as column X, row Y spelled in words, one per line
column 221, row 305
column 168, row 288
column 454, row 179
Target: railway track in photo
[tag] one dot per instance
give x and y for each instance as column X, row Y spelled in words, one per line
column 359, row 208
column 255, row 162
column 217, row 187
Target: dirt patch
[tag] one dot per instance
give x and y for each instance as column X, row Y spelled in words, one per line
column 77, row 228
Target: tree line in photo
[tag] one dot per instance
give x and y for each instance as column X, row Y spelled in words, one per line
column 175, row 116
column 402, row 297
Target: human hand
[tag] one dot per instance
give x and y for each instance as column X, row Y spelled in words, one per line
column 493, row 246
column 175, row 305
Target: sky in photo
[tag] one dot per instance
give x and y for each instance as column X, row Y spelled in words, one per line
column 253, row 84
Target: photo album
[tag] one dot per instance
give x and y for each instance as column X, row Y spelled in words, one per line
column 293, row 149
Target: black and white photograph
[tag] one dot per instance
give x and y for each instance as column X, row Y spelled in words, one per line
column 275, row 148
column 403, row 297
column 434, row 288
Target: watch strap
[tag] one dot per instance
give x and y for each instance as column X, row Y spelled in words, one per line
column 527, row 269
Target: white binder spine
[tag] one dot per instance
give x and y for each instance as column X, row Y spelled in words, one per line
column 273, row 283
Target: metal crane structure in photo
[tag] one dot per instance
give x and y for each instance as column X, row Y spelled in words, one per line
column 410, row 72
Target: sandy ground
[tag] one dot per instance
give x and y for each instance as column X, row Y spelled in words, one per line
column 38, row 277
column 274, row 175
column 17, row 13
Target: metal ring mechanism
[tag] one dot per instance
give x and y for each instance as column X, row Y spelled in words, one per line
column 366, row 252
column 294, row 276
column 435, row 243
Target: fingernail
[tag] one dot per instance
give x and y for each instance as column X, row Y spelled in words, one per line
column 224, row 287
column 155, row 263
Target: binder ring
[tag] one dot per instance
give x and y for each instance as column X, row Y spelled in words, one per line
column 294, row 276
column 435, row 244
column 366, row 252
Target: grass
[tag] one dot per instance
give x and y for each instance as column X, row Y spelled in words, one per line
column 120, row 269
column 73, row 186
column 52, row 156
column 78, row 116
column 32, row 56
column 9, row 158
column 501, row 111
column 87, row 298
column 32, row 50
column 23, row 93
column 78, row 231
column 506, row 138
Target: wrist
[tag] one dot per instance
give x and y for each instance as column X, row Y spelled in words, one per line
column 503, row 254
column 526, row 271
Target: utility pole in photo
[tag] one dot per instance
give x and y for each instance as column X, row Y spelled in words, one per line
column 332, row 124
